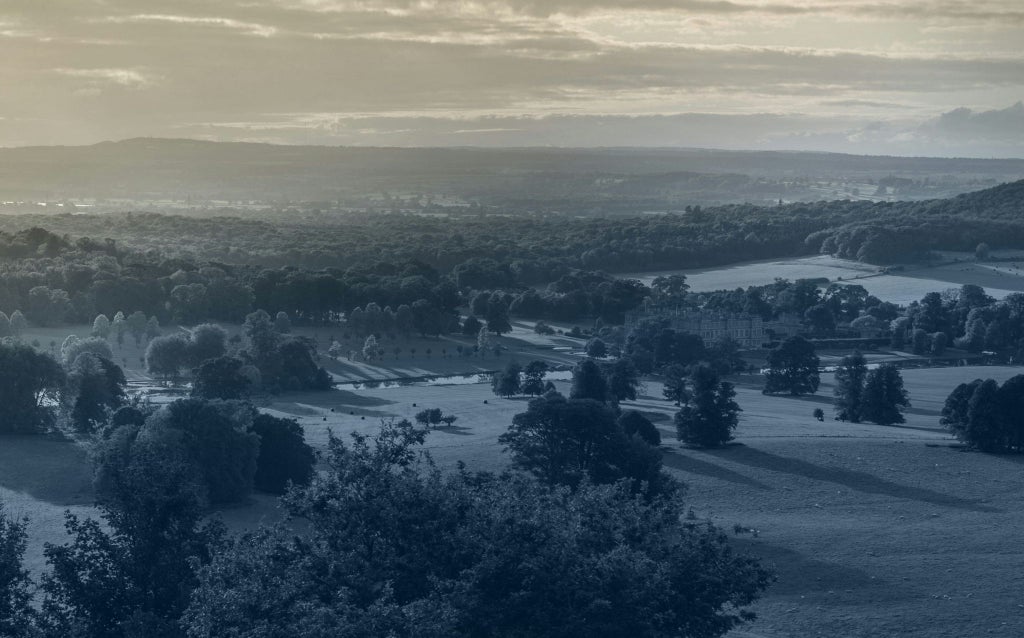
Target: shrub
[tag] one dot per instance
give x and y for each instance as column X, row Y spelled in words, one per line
column 284, row 457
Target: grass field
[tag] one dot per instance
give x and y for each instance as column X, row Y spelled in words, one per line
column 874, row 531
column 911, row 284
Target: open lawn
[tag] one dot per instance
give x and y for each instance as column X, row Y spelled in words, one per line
column 874, row 531
column 999, row 278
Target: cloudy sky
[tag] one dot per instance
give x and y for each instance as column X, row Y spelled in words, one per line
column 933, row 77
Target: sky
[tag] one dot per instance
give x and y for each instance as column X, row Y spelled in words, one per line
column 899, row 77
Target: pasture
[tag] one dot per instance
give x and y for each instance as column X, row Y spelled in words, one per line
column 900, row 287
column 874, row 531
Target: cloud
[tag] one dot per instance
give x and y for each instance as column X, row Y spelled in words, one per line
column 809, row 72
column 119, row 77
column 965, row 125
column 249, row 28
column 979, row 10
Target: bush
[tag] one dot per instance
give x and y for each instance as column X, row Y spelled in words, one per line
column 634, row 423
column 986, row 416
column 284, row 456
column 218, row 440
column 596, row 348
column 473, row 555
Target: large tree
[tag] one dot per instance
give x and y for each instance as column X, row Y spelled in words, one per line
column 792, row 368
column 533, row 377
column 221, row 378
column 96, row 387
column 588, row 382
column 987, row 416
column 284, row 457
column 561, row 440
column 507, row 382
column 17, row 614
column 710, row 413
column 218, row 438
column 166, row 356
column 133, row 574
column 849, row 389
column 884, row 396
column 30, row 383
column 622, row 379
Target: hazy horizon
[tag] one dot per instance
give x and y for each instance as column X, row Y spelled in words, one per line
column 914, row 78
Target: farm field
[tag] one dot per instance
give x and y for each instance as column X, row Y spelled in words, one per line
column 902, row 287
column 417, row 357
column 874, row 531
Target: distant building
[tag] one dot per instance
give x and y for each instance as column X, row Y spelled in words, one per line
column 750, row 331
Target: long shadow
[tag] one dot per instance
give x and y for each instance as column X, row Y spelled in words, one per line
column 801, row 574
column 453, row 429
column 50, row 470
column 859, row 481
column 687, row 463
column 345, row 397
column 923, row 412
column 808, row 398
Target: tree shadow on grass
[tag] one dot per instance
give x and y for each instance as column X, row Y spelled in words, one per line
column 452, row 429
column 806, row 398
column 687, row 463
column 798, row 573
column 858, row 481
column 45, row 468
column 923, row 412
column 344, row 397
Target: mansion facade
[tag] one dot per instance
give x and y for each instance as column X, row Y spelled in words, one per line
column 750, row 331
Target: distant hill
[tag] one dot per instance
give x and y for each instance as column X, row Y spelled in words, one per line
column 628, row 179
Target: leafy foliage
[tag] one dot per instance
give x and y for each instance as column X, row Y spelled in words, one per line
column 987, row 416
column 710, row 413
column 884, row 396
column 849, row 389
column 27, row 379
column 16, row 612
column 792, row 368
column 413, row 551
column 284, row 457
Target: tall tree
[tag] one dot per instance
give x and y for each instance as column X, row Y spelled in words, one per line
column 588, row 382
column 17, row 614
column 132, row 575
column 96, row 387
column 623, row 380
column 849, row 389
column 30, row 383
column 507, row 382
column 884, row 396
column 497, row 316
column 533, row 377
column 221, row 378
column 711, row 413
column 561, row 441
column 675, row 384
column 793, row 368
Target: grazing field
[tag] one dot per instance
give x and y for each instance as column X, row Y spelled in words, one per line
column 874, row 531
column 900, row 287
column 760, row 273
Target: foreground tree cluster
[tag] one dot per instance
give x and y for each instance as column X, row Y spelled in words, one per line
column 986, row 415
column 381, row 543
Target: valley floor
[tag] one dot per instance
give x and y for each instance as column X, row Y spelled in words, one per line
column 874, row 531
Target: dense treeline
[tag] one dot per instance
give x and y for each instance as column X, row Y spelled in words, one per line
column 540, row 247
column 187, row 271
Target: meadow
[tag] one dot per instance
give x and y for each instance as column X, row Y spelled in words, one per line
column 874, row 531
column 998, row 278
